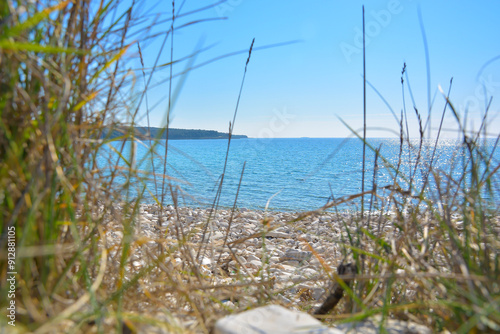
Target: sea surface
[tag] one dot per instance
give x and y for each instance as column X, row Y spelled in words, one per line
column 284, row 174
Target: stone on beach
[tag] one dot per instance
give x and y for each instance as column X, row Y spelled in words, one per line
column 296, row 255
column 275, row 319
column 391, row 326
column 278, row 234
column 271, row 319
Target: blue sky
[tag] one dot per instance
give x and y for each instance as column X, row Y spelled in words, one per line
column 302, row 89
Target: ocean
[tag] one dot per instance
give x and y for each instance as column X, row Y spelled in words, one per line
column 283, row 174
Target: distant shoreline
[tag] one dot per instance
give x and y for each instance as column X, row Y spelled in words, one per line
column 145, row 133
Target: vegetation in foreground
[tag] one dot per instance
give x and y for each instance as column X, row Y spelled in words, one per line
column 64, row 81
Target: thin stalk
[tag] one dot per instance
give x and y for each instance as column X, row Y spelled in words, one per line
column 231, row 127
column 232, row 212
column 364, row 119
column 149, row 126
column 428, row 71
column 168, row 112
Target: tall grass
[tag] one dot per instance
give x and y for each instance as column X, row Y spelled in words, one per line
column 65, row 85
column 430, row 253
column 86, row 261
column 61, row 85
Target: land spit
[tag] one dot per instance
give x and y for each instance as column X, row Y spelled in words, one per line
column 187, row 267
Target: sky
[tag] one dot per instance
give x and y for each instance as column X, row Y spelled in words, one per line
column 310, row 80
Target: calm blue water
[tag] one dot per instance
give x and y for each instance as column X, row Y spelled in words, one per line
column 290, row 174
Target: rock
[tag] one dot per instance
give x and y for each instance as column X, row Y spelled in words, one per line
column 217, row 235
column 318, row 248
column 137, row 264
column 315, row 262
column 391, row 326
column 255, row 264
column 252, row 257
column 283, row 275
column 288, row 268
column 277, row 234
column 249, row 227
column 228, row 303
column 284, row 300
column 248, row 215
column 274, row 259
column 292, row 263
column 271, row 319
column 296, row 255
column 317, row 293
column 308, row 272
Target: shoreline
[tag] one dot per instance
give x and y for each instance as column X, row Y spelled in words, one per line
column 339, row 211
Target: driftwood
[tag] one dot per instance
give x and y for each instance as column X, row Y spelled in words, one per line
column 335, row 291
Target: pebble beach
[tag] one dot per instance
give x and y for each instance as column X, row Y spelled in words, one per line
column 252, row 246
column 236, row 259
column 244, row 241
